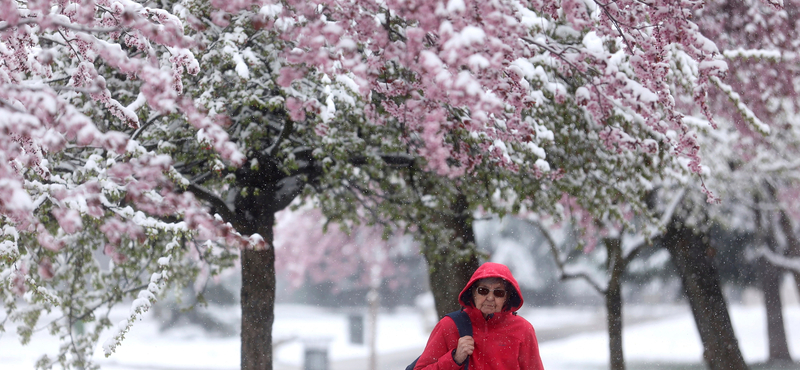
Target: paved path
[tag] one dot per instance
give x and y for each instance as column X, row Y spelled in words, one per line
column 399, row 360
column 389, row 361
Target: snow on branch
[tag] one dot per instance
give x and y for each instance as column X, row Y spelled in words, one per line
column 777, row 4
column 633, row 244
column 478, row 79
column 789, row 263
column 141, row 304
column 771, row 55
column 746, row 113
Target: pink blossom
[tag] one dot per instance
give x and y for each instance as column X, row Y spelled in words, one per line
column 304, row 251
column 47, row 240
column 114, row 229
column 45, row 269
column 295, row 107
column 112, row 251
column 18, row 280
column 289, row 74
column 69, row 219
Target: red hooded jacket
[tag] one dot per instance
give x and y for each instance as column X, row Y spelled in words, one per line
column 504, row 341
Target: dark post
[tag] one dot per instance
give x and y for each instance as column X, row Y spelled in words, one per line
column 316, row 359
column 356, row 328
column 315, row 356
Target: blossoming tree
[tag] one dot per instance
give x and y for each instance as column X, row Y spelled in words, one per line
column 310, row 248
column 88, row 215
column 101, row 127
column 751, row 155
column 761, row 56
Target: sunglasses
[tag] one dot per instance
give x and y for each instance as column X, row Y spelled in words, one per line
column 499, row 293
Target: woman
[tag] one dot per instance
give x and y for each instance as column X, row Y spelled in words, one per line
column 500, row 339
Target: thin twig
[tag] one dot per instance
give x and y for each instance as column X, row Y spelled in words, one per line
column 144, row 126
column 562, row 263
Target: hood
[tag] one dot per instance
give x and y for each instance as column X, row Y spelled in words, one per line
column 487, row 270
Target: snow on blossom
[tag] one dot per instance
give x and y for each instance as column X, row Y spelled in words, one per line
column 328, row 111
column 405, row 58
column 68, row 219
column 775, row 55
column 478, row 62
column 593, row 43
column 13, row 197
column 257, row 242
column 66, row 155
column 8, row 248
column 523, row 67
column 295, row 107
column 535, row 149
column 456, row 6
column 47, row 240
column 718, row 66
column 467, row 82
column 542, row 165
column 271, row 10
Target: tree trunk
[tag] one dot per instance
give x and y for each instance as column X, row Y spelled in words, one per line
column 616, row 267
column 450, row 268
column 793, row 248
column 770, row 284
column 258, row 308
column 693, row 257
column 770, row 279
column 258, row 289
column 447, row 279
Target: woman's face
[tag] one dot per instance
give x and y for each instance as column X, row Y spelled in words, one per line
column 489, row 303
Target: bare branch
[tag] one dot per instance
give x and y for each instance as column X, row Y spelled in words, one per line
column 561, row 262
column 219, row 205
column 144, row 126
column 288, row 128
column 641, row 242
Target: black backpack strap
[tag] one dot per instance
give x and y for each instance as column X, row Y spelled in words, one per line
column 413, row 365
column 464, row 326
column 462, row 321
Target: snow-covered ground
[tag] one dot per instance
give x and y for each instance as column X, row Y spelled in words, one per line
column 571, row 339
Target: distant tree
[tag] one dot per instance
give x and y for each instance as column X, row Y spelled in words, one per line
column 760, row 53
column 622, row 247
column 752, row 161
column 308, row 247
column 770, row 279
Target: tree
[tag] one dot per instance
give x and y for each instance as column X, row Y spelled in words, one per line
column 759, row 50
column 757, row 124
column 311, row 96
column 621, row 248
column 89, row 215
